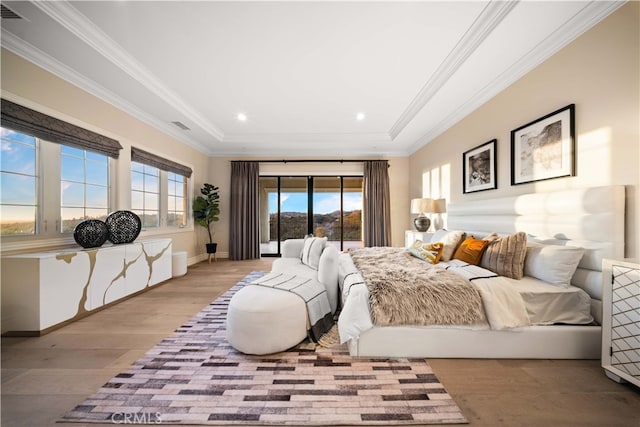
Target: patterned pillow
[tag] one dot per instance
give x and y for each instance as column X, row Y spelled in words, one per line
column 430, row 252
column 311, row 251
column 505, row 255
column 450, row 240
column 471, row 250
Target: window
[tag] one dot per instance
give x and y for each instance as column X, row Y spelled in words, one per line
column 145, row 194
column 51, row 175
column 46, row 183
column 159, row 189
column 176, row 200
column 325, row 206
column 84, row 186
column 18, row 184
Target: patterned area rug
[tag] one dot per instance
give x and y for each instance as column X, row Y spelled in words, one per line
column 196, row 377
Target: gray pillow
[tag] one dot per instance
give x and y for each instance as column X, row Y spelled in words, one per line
column 311, row 251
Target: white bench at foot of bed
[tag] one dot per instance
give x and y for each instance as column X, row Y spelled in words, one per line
column 533, row 342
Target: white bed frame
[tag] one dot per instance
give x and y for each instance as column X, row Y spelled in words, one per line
column 592, row 218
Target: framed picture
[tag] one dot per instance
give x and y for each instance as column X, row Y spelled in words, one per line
column 544, row 148
column 479, row 168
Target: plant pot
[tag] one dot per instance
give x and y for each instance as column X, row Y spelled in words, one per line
column 211, row 250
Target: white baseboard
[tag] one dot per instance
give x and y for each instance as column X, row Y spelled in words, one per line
column 203, row 257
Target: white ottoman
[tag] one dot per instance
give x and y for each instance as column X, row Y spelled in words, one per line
column 178, row 264
column 263, row 320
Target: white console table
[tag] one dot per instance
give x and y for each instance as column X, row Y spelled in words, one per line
column 42, row 290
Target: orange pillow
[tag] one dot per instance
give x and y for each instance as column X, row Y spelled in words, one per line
column 471, row 250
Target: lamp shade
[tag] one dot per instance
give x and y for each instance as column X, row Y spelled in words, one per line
column 439, row 206
column 419, row 206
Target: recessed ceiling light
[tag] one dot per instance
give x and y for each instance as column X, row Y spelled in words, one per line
column 360, row 116
column 242, row 117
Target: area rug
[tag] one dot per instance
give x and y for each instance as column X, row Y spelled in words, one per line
column 196, row 377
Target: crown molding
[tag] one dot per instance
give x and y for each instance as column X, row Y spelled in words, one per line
column 591, row 14
column 319, row 152
column 489, row 19
column 308, row 138
column 32, row 54
column 78, row 24
column 310, row 144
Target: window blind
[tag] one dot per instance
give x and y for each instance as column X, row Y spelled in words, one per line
column 141, row 156
column 31, row 122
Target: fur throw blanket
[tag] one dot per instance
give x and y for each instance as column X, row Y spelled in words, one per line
column 404, row 290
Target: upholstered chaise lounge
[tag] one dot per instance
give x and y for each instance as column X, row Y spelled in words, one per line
column 263, row 320
column 319, row 263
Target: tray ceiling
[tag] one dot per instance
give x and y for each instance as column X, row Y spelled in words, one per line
column 300, row 72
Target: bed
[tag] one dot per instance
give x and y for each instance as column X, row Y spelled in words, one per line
column 591, row 220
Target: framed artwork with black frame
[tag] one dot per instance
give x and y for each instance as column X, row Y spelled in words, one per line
column 479, row 168
column 544, row 148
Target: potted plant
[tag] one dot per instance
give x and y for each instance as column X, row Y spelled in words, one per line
column 205, row 211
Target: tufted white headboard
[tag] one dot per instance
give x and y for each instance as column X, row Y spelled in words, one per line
column 592, row 218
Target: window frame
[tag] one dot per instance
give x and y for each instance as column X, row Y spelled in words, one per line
column 310, row 204
column 48, row 198
column 185, row 196
column 144, row 192
column 49, row 201
column 86, row 162
column 163, row 201
column 37, row 184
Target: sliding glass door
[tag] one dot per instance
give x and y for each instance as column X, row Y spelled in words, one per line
column 325, row 206
column 269, row 215
column 294, row 207
column 327, row 209
column 352, row 189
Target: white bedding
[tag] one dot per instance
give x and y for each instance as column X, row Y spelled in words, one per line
column 509, row 303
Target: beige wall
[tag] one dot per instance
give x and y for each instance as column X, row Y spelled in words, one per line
column 599, row 73
column 31, row 86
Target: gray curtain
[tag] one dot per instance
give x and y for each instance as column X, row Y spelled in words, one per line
column 377, row 207
column 244, row 233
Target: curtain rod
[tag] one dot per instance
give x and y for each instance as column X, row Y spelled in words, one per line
column 306, row 161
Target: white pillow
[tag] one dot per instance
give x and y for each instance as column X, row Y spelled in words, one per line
column 311, row 251
column 450, row 239
column 553, row 264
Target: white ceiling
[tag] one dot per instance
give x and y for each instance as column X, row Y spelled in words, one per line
column 300, row 71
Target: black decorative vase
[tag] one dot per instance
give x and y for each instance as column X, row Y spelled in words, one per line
column 124, row 227
column 422, row 223
column 91, row 233
column 212, row 248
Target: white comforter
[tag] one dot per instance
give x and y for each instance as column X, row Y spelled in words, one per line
column 504, row 306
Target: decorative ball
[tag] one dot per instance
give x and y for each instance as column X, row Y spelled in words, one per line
column 91, row 233
column 124, row 226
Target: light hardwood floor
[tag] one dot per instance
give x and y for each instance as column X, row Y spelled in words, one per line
column 43, row 378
